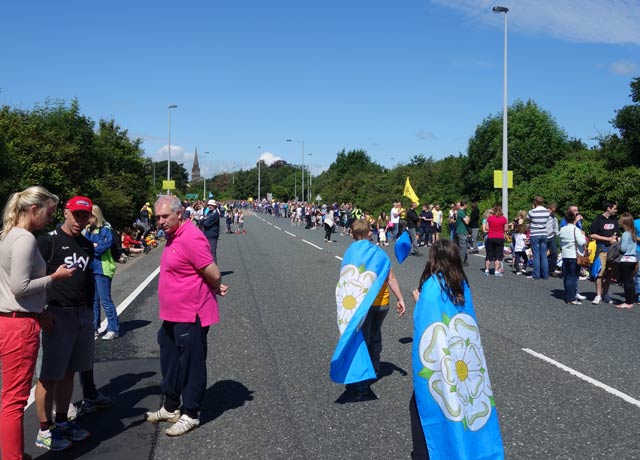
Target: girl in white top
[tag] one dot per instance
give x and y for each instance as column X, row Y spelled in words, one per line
column 628, row 261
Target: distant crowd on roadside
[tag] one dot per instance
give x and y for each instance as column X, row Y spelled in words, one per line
column 538, row 243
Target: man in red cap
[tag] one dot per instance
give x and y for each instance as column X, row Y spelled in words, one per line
column 68, row 347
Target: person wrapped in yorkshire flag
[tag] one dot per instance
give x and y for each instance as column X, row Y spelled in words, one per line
column 453, row 412
column 362, row 297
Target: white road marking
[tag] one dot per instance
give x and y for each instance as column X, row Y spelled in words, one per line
column 311, row 244
column 339, row 258
column 290, row 234
column 586, row 378
column 103, row 326
column 270, row 223
column 275, row 226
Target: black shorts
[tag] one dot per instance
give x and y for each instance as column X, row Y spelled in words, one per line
column 495, row 249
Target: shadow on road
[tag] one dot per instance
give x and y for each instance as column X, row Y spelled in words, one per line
column 132, row 325
column 223, row 396
column 351, row 396
column 387, row 368
column 123, row 416
column 557, row 293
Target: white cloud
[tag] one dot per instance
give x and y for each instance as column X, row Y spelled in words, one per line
column 590, row 21
column 624, row 68
column 177, row 154
column 269, row 158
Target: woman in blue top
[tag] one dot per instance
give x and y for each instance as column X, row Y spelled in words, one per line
column 104, row 267
column 628, row 260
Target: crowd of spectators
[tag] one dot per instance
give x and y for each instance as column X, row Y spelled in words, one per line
column 531, row 245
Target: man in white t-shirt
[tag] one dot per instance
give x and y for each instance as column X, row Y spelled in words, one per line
column 394, row 216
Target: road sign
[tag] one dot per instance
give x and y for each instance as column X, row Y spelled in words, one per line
column 169, row 184
column 497, row 178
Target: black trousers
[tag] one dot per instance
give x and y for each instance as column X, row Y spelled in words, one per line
column 327, row 231
column 183, row 356
column 627, row 272
column 419, row 451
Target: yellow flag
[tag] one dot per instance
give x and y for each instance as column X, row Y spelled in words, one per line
column 409, row 193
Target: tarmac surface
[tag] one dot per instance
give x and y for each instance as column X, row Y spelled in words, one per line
column 269, row 393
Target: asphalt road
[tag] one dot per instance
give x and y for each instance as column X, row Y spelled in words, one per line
column 270, row 395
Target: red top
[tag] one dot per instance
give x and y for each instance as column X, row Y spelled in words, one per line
column 496, row 226
column 128, row 242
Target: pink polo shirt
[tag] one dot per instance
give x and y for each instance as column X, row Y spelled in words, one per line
column 182, row 292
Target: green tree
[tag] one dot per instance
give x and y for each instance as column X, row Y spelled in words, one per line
column 627, row 121
column 536, row 143
column 123, row 183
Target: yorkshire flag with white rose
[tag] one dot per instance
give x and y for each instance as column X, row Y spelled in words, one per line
column 451, row 380
column 364, row 270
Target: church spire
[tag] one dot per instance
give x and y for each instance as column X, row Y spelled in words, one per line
column 195, row 171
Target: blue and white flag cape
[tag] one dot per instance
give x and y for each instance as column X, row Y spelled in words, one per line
column 451, row 381
column 364, row 271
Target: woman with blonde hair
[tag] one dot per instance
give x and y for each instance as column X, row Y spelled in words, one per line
column 23, row 286
column 104, row 267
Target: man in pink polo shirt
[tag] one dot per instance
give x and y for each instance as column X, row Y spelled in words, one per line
column 187, row 288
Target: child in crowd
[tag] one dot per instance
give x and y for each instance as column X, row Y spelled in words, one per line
column 362, row 253
column 130, row 245
column 520, row 243
column 240, row 222
column 447, row 357
column 628, row 262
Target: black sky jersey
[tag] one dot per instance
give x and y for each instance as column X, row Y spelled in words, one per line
column 59, row 248
column 604, row 226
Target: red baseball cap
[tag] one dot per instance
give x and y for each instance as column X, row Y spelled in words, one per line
column 79, row 203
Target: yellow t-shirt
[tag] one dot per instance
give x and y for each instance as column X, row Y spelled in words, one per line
column 382, row 300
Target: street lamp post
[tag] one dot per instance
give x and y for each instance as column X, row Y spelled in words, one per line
column 301, row 170
column 172, row 106
column 310, row 166
column 259, row 175
column 204, row 181
column 505, row 140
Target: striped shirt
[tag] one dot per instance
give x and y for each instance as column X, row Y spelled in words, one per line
column 538, row 217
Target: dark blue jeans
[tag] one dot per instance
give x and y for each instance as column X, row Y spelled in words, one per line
column 183, row 356
column 103, row 296
column 540, row 262
column 570, row 272
column 372, row 331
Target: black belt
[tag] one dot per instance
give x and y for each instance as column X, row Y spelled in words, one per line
column 19, row 314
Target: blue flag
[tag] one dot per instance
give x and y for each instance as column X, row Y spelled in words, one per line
column 364, row 271
column 451, row 381
column 402, row 248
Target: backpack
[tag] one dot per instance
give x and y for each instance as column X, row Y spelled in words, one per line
column 116, row 244
column 614, row 252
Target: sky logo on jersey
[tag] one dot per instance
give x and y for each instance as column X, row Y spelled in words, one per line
column 76, row 262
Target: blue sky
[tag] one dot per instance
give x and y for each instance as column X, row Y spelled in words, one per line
column 396, row 78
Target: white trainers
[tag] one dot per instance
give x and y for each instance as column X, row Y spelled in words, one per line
column 110, row 335
column 182, row 426
column 597, row 300
column 163, row 415
column 580, row 297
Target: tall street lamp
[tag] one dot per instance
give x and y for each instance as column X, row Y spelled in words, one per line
column 310, row 166
column 301, row 169
column 505, row 141
column 172, row 106
column 259, row 175
column 204, row 181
